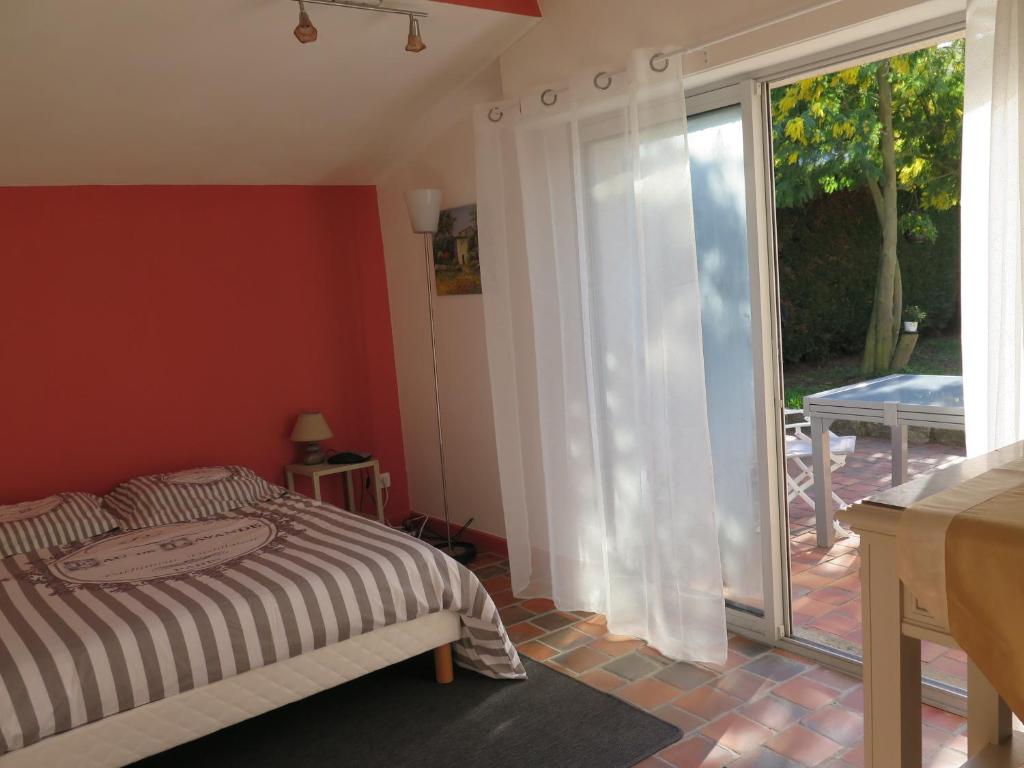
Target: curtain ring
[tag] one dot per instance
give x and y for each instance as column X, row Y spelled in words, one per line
column 495, row 114
column 659, row 57
column 606, row 78
column 546, row 94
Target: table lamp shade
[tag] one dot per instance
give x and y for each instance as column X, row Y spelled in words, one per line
column 311, row 428
column 424, row 209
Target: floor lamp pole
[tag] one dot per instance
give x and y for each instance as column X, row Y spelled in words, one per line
column 437, row 391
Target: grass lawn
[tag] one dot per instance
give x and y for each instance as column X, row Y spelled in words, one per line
column 934, row 354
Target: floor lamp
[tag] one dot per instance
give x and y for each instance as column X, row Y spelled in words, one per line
column 424, row 211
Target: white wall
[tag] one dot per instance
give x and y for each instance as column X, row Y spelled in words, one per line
column 444, row 161
column 574, row 36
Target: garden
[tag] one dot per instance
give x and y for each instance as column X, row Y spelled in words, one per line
column 867, row 171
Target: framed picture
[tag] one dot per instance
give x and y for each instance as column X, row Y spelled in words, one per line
column 457, row 252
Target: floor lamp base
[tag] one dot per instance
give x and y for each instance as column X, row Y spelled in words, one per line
column 461, row 551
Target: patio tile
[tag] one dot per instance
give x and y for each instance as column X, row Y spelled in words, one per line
column 806, row 693
column 512, row 614
column 747, row 647
column 854, row 699
column 841, row 725
column 616, row 645
column 565, row 639
column 764, row 758
column 602, row 680
column 854, row 757
column 539, row 605
column 697, row 752
column 655, row 655
column 520, row 633
column 648, row 694
column 832, row 678
column 743, row 684
column 774, row 667
column 834, row 595
column 737, row 733
column 938, row 718
column 536, row 651
column 581, row 659
column 808, row 605
column 804, row 746
column 830, row 570
column 552, row 621
column 707, row 702
column 633, row 667
column 680, row 718
column 773, row 712
column 835, row 623
column 809, row 580
column 684, row 676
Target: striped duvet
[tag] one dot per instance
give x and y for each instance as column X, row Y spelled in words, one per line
column 126, row 618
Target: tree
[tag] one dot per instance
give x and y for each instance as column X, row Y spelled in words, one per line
column 892, row 126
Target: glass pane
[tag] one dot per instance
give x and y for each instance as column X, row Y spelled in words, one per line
column 720, row 213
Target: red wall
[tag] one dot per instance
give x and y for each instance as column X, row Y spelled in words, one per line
column 146, row 329
column 521, row 7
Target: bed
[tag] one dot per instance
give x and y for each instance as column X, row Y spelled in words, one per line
column 132, row 642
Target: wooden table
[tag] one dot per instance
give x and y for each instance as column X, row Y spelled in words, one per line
column 894, row 625
column 900, row 401
column 316, row 471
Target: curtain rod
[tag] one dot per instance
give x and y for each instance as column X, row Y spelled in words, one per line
column 659, row 61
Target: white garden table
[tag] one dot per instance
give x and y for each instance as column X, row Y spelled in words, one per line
column 902, row 400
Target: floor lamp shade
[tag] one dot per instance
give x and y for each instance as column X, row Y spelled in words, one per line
column 424, row 209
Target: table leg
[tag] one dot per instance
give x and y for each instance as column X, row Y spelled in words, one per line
column 892, row 662
column 379, row 496
column 989, row 720
column 899, row 454
column 350, row 495
column 316, row 487
column 290, row 479
column 822, row 456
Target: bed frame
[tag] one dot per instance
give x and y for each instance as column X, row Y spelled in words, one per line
column 131, row 735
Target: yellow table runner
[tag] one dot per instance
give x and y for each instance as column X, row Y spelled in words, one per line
column 962, row 556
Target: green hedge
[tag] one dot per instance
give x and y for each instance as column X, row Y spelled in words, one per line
column 828, row 259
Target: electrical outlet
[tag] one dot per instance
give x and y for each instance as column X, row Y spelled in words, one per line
column 385, row 479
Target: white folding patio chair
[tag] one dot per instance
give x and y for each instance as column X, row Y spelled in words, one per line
column 799, row 473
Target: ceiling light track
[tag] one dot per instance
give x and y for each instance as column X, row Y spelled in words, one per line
column 367, row 7
column 305, row 32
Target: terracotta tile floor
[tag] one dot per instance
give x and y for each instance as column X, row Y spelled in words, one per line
column 826, row 588
column 763, row 709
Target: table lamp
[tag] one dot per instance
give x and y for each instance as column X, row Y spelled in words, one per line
column 310, row 429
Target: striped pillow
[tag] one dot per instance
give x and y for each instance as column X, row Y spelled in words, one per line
column 187, row 495
column 50, row 522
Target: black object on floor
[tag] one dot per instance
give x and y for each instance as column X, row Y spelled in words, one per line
column 399, row 717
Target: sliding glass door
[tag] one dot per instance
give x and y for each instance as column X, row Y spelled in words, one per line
column 726, row 165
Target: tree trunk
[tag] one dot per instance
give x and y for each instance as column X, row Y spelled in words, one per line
column 887, row 309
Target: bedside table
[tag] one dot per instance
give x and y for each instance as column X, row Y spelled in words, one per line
column 315, row 471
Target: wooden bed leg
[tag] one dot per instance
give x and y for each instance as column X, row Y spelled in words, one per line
column 443, row 670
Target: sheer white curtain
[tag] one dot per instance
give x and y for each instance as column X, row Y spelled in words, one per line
column 594, row 339
column 992, row 302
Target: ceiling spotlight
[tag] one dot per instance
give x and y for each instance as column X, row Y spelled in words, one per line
column 305, row 32
column 415, row 44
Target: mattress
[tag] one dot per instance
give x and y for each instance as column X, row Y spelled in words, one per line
column 137, row 733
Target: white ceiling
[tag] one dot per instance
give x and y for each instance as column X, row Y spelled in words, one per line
column 219, row 91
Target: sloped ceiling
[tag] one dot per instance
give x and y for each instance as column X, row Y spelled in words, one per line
column 220, row 92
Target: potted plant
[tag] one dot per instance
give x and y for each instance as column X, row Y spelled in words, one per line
column 912, row 317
